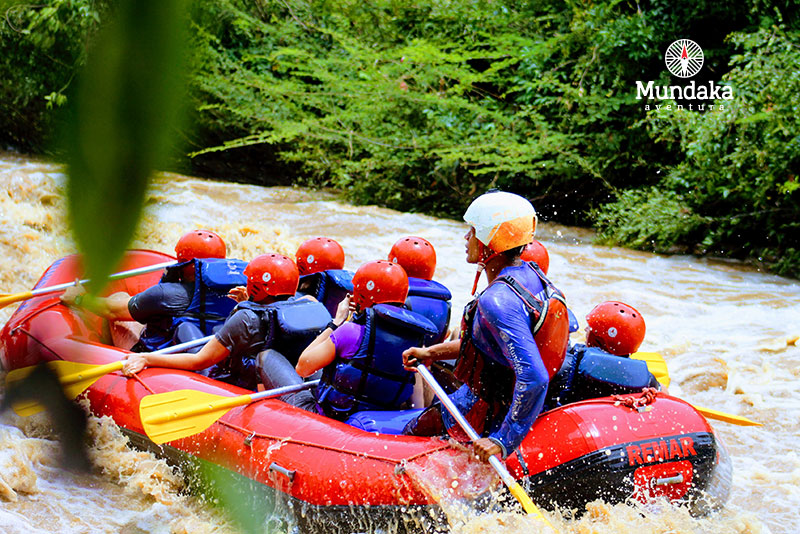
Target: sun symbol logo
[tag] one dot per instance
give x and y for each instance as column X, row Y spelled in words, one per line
column 684, row 58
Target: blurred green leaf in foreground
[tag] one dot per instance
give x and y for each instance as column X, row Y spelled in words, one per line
column 120, row 123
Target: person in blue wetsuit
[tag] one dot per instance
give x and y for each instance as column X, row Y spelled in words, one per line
column 514, row 334
column 188, row 303
column 602, row 366
column 271, row 319
column 427, row 297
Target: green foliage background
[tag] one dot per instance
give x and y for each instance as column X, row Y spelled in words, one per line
column 421, row 105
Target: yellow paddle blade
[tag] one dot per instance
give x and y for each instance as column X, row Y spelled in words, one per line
column 527, row 504
column 27, row 408
column 178, row 414
column 656, row 365
column 6, row 299
column 726, row 417
column 74, row 377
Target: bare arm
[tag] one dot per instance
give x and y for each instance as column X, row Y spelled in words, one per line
column 447, row 350
column 322, row 351
column 316, row 357
column 211, row 353
column 113, row 307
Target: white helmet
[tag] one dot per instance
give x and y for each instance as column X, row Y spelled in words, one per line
column 502, row 220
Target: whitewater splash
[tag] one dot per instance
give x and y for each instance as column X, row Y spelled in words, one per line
column 127, row 491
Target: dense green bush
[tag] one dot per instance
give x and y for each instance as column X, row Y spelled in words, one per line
column 738, row 170
column 650, row 219
column 41, row 48
column 421, row 105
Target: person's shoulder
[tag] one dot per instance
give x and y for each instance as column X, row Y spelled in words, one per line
column 350, row 327
column 244, row 315
column 498, row 300
column 242, row 322
column 165, row 288
column 348, row 332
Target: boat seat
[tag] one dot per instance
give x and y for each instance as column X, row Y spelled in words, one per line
column 383, row 421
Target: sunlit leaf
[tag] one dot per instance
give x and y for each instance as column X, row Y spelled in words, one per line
column 120, row 123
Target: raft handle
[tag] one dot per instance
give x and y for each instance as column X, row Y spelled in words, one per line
column 677, row 479
column 248, row 441
column 288, row 473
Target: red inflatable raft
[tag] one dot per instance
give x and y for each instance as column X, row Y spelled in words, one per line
column 328, row 473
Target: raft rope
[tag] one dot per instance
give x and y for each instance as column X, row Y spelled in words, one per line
column 648, row 396
column 371, row 456
column 30, row 315
column 40, row 342
column 143, row 383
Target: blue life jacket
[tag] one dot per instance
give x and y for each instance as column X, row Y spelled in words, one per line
column 329, row 287
column 209, row 306
column 374, row 377
column 431, row 300
column 590, row 372
column 383, row 421
column 574, row 326
column 288, row 326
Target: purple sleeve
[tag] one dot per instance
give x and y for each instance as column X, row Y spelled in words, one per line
column 347, row 339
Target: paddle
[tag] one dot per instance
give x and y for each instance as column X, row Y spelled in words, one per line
column 178, row 414
column 7, row 299
column 656, row 365
column 726, row 417
column 512, row 485
column 76, row 377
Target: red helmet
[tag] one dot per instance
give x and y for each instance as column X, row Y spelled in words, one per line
column 199, row 244
column 271, row 275
column 615, row 327
column 319, row 254
column 379, row 281
column 416, row 256
column 536, row 252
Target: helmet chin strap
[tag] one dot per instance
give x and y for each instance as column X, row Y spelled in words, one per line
column 482, row 265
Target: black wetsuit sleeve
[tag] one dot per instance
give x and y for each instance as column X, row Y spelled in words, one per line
column 160, row 301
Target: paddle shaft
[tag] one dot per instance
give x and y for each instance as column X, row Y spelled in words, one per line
column 5, row 300
column 513, row 486
column 726, row 417
column 94, row 371
column 116, row 276
column 101, row 370
column 225, row 403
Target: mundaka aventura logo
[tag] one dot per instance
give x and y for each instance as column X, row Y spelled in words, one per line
column 684, row 58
